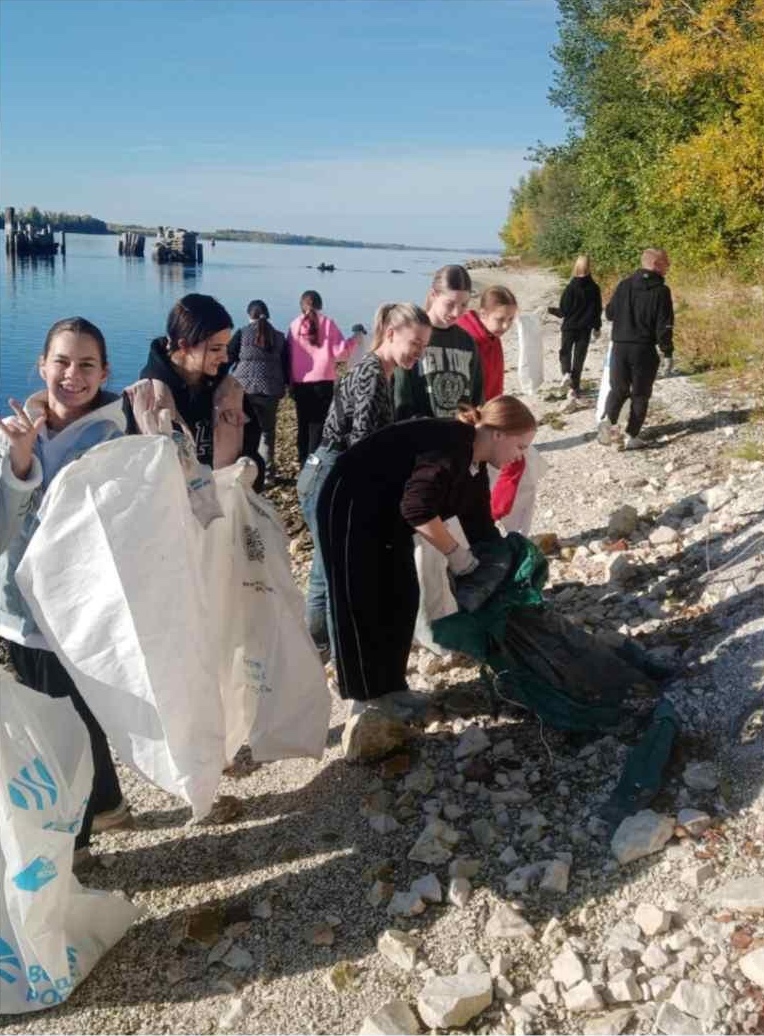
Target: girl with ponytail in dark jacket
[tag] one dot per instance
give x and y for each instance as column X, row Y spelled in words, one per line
column 260, row 364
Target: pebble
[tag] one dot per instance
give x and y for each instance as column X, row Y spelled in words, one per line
column 693, row 822
column 641, row 835
column 663, row 535
column 406, row 904
column 392, row 1018
column 506, row 923
column 744, row 894
column 582, row 997
column 450, row 1001
column 698, row 875
column 435, row 844
column 700, row 776
column 673, row 1022
column 232, row 1015
column 238, row 959
column 400, row 948
column 462, row 867
column 752, row 966
column 459, row 892
column 623, row 986
column 473, row 741
column 568, row 968
column 701, row 1000
column 652, row 919
column 471, row 964
column 555, row 877
column 428, row 888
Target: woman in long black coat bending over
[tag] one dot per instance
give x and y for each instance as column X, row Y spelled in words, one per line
column 406, row 478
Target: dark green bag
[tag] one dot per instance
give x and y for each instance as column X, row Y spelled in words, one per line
column 539, row 659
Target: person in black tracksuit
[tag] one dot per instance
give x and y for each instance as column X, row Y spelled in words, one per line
column 642, row 314
column 581, row 312
column 408, row 477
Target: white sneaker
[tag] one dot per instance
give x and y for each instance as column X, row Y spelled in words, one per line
column 635, row 442
column 605, row 432
column 565, row 382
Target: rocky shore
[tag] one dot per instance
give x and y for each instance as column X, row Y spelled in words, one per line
column 468, row 882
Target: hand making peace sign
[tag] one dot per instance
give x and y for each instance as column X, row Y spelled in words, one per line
column 22, row 433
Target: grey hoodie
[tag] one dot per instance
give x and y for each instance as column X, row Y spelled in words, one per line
column 20, row 499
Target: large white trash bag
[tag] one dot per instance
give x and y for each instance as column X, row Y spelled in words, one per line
column 435, row 597
column 52, row 931
column 520, row 518
column 127, row 613
column 530, row 358
column 272, row 682
column 599, row 413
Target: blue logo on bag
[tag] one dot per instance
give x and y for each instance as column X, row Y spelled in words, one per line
column 23, row 786
column 8, row 959
column 65, row 826
column 35, row 875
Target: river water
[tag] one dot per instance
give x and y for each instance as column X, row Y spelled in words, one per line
column 129, row 298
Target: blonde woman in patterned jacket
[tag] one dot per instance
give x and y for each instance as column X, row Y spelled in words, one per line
column 362, row 404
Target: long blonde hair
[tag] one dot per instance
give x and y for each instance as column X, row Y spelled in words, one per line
column 582, row 267
column 395, row 315
column 502, row 413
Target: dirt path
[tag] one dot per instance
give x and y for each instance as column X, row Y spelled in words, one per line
column 291, row 878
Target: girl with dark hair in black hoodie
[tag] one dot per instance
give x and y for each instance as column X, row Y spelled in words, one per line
column 188, row 370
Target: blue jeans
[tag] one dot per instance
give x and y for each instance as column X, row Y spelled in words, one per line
column 309, row 484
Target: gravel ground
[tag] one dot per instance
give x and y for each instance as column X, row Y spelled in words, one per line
column 288, row 876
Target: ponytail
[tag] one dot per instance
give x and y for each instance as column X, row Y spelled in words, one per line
column 311, row 304
column 502, row 413
column 395, row 315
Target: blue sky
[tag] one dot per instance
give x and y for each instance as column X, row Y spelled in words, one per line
column 384, row 120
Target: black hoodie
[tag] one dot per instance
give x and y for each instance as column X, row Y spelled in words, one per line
column 581, row 305
column 194, row 403
column 642, row 311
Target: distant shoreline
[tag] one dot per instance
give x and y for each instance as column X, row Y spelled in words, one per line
column 91, row 225
column 265, row 237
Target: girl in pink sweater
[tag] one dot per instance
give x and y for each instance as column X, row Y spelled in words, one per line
column 315, row 345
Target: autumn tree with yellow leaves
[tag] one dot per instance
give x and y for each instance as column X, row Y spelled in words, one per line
column 665, row 100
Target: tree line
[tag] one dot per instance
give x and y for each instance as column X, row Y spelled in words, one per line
column 67, row 221
column 665, row 106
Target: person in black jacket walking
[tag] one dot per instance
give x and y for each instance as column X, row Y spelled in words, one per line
column 643, row 316
column 581, row 312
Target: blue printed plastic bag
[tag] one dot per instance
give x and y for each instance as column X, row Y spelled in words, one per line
column 52, row 931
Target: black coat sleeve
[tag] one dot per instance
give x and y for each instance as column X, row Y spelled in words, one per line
column 566, row 299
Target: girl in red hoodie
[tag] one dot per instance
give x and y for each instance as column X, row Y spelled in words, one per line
column 496, row 310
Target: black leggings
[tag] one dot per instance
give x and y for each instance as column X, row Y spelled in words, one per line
column 43, row 672
column 575, row 345
column 373, row 589
column 312, row 400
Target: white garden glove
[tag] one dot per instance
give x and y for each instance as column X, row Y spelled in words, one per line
column 668, row 365
column 461, row 561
